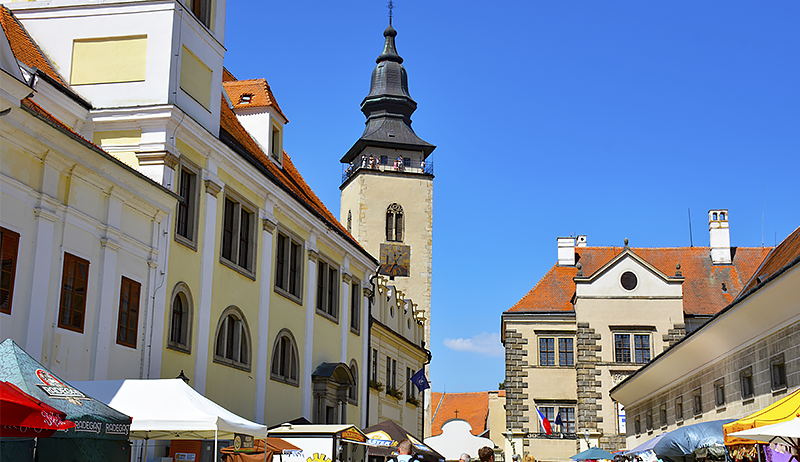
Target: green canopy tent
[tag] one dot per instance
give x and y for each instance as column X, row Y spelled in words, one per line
column 100, row 432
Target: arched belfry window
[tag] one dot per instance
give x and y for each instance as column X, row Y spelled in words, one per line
column 232, row 341
column 394, row 223
column 284, row 358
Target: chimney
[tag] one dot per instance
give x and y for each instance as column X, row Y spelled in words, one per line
column 566, row 251
column 720, row 237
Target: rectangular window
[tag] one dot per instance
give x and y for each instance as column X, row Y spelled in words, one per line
column 679, row 409
column 9, row 245
column 275, row 144
column 565, row 353
column 622, row 348
column 746, row 379
column 641, row 348
column 549, row 413
column 289, row 266
column 201, row 10
column 355, row 307
column 128, row 322
column 777, row 372
column 384, row 160
column 374, row 365
column 648, row 416
column 328, row 290
column 547, row 353
column 74, row 282
column 394, row 374
column 186, row 216
column 697, row 398
column 409, row 385
column 567, row 419
column 719, row 392
column 238, row 233
column 637, row 425
column 662, row 414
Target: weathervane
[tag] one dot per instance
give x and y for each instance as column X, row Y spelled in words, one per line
column 391, row 7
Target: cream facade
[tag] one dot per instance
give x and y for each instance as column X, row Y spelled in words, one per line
column 253, row 291
column 742, row 360
column 597, row 317
column 396, row 355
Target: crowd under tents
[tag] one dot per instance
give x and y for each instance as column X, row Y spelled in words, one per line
column 99, row 433
column 743, row 448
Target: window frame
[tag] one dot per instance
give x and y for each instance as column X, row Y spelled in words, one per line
column 285, row 267
column 568, row 421
column 678, row 409
column 632, row 350
column 7, row 237
column 203, row 16
column 549, row 412
column 374, row 365
column 292, row 361
column 662, row 415
column 328, row 289
column 355, row 306
column 697, row 402
column 394, row 220
column 746, row 382
column 648, row 419
column 353, row 392
column 244, row 331
column 777, row 373
column 547, row 356
column 637, row 425
column 276, row 151
column 719, row 393
column 129, row 314
column 70, row 258
column 567, row 356
column 181, row 290
column 193, row 208
column 240, row 207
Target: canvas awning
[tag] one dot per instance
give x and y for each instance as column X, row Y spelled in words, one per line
column 780, row 411
column 169, row 409
column 384, row 437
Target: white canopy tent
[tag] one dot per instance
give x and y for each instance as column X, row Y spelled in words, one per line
column 169, row 409
column 787, row 433
column 456, row 438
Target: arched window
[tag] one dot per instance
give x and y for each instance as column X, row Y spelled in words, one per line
column 722, row 216
column 352, row 393
column 284, row 358
column 232, row 339
column 180, row 320
column 714, row 215
column 394, row 223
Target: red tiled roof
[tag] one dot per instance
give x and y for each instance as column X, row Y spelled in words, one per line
column 258, row 89
column 785, row 253
column 29, row 103
column 288, row 176
column 24, row 48
column 227, row 76
column 702, row 287
column 472, row 407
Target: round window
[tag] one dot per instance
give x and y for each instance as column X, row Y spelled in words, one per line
column 628, row 280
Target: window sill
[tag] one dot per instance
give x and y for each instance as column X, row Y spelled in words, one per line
column 186, row 242
column 77, row 330
column 749, row 400
column 355, row 331
column 779, row 391
column 126, row 345
column 286, row 380
column 179, row 348
column 286, row 294
column 243, row 271
column 327, row 316
column 720, row 408
column 679, row 423
column 232, row 363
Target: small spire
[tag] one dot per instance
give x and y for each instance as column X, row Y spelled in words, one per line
column 391, row 7
column 389, row 49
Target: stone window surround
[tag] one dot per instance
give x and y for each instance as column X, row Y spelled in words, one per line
column 194, row 207
column 245, row 329
column 241, row 204
column 182, row 289
column 300, row 283
column 329, row 266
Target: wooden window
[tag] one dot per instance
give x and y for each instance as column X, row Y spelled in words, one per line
column 201, row 10
column 565, row 352
column 180, row 328
column 374, row 365
column 355, row 307
column 9, row 247
column 641, row 348
column 232, row 340
column 74, row 282
column 394, row 223
column 547, row 353
column 275, row 144
column 549, row 413
column 746, row 379
column 388, row 372
column 410, row 387
column 284, row 358
column 567, row 419
column 289, row 266
column 622, row 348
column 186, row 215
column 328, row 290
column 352, row 392
column 128, row 321
column 238, row 234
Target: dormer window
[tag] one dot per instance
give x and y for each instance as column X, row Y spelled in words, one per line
column 246, row 98
column 201, row 10
column 276, row 145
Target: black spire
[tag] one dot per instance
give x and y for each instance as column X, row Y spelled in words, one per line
column 389, row 106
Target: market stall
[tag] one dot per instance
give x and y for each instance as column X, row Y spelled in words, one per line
column 681, row 445
column 325, row 443
column 384, row 437
column 743, row 449
column 269, row 450
column 99, row 433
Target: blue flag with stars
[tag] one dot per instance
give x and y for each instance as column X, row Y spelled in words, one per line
column 420, row 381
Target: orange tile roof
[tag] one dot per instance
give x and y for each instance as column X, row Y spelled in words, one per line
column 24, row 48
column 783, row 255
column 30, row 104
column 702, row 287
column 227, row 76
column 472, row 407
column 258, row 89
column 287, row 176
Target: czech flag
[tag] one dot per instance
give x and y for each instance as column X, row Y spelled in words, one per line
column 543, row 422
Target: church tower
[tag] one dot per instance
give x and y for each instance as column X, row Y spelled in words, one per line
column 387, row 188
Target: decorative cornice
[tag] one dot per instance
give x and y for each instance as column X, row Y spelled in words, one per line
column 313, row 255
column 347, row 277
column 152, row 263
column 158, row 158
column 45, row 215
column 367, row 291
column 110, row 244
column 269, row 224
column 212, row 187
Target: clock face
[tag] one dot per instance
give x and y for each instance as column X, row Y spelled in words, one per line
column 395, row 260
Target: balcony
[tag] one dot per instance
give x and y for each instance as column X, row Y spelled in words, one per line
column 384, row 164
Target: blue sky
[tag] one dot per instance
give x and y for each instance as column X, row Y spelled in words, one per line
column 610, row 119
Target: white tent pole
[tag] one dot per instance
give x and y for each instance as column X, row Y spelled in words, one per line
column 215, row 458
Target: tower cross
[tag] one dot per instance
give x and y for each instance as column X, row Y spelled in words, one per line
column 391, row 7
column 456, row 413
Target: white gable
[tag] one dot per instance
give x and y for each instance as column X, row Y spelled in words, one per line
column 649, row 282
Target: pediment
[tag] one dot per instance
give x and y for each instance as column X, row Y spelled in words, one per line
column 627, row 275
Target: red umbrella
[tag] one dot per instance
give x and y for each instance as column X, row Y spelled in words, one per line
column 22, row 415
